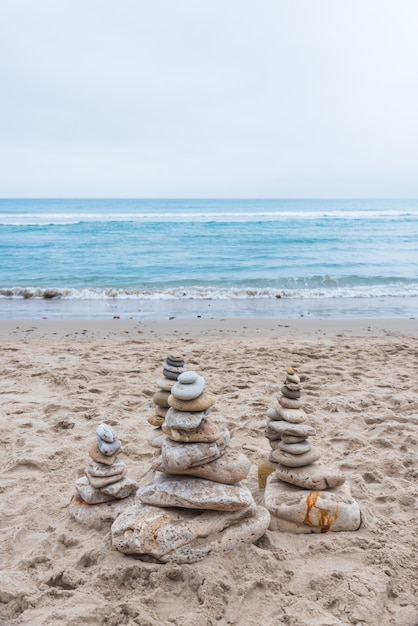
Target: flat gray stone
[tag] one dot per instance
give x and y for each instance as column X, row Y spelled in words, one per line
column 98, row 515
column 108, row 449
column 194, row 493
column 180, row 456
column 89, row 494
column 122, row 489
column 294, row 460
column 303, row 511
column 100, row 469
column 272, row 414
column 295, row 448
column 183, row 535
column 275, row 429
column 316, row 476
column 102, row 481
column 231, row 467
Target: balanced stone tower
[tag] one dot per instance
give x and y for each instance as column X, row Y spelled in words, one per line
column 301, row 494
column 173, row 366
column 105, row 481
column 195, row 506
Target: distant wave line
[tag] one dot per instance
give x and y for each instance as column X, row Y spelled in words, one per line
column 44, row 219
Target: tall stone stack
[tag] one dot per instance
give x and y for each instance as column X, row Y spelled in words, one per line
column 105, row 481
column 301, row 494
column 173, row 366
column 195, row 506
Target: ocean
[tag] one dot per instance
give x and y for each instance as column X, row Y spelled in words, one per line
column 74, row 258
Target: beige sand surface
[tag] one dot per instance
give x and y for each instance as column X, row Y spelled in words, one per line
column 59, row 380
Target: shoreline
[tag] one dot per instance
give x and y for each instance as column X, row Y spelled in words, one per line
column 227, row 327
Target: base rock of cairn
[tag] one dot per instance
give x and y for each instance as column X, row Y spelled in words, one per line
column 173, row 366
column 105, row 490
column 195, row 507
column 302, row 495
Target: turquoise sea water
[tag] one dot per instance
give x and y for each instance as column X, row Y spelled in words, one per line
column 186, row 258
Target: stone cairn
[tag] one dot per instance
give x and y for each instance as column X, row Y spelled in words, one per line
column 105, row 481
column 173, row 366
column 195, row 505
column 301, row 495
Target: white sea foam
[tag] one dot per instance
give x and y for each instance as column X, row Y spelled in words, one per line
column 44, row 219
column 212, row 293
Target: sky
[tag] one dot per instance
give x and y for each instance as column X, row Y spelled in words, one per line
column 209, row 98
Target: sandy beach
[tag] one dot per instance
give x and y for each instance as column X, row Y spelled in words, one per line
column 60, row 379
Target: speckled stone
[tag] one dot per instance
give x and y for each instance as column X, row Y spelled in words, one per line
column 194, row 493
column 207, row 432
column 185, row 420
column 231, row 467
column 122, row 489
column 316, row 476
column 180, row 456
column 303, row 511
column 100, row 469
column 185, row 536
column 203, row 402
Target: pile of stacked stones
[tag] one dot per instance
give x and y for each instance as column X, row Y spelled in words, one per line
column 105, row 479
column 301, row 494
column 286, row 431
column 173, row 366
column 195, row 506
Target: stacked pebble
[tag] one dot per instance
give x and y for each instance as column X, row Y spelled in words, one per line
column 286, row 431
column 173, row 366
column 292, row 472
column 195, row 505
column 105, row 478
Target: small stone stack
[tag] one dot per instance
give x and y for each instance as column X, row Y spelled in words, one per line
column 173, row 366
column 301, row 494
column 105, row 480
column 195, row 506
column 286, row 431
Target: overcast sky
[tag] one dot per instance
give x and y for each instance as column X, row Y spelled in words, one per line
column 209, row 98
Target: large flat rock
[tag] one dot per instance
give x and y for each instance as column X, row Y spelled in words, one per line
column 304, row 511
column 183, row 535
column 98, row 515
column 194, row 493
